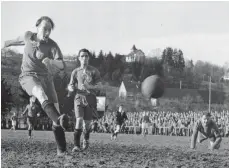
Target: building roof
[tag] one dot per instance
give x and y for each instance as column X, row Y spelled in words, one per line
column 122, row 87
column 131, row 87
column 136, row 55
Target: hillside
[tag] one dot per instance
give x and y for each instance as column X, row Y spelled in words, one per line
column 11, row 70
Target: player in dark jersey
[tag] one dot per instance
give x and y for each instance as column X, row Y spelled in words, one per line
column 120, row 118
column 84, row 81
column 207, row 129
column 41, row 59
column 31, row 112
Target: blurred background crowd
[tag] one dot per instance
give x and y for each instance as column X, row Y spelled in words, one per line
column 160, row 123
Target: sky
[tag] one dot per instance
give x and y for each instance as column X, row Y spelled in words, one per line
column 199, row 29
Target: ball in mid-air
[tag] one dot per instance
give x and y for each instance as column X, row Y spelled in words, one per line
column 152, row 87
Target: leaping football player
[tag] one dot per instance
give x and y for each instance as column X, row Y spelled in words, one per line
column 41, row 59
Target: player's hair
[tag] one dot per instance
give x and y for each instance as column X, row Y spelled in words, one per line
column 45, row 18
column 84, row 50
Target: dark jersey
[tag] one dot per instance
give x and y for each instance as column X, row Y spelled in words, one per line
column 118, row 118
column 124, row 116
column 145, row 119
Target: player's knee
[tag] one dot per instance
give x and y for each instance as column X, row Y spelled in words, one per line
column 79, row 123
column 39, row 93
column 30, row 127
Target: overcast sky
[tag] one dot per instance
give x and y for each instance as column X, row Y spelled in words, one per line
column 199, row 29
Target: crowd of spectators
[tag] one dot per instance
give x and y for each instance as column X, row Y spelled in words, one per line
column 161, row 123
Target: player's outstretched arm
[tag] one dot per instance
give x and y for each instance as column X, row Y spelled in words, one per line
column 194, row 136
column 19, row 41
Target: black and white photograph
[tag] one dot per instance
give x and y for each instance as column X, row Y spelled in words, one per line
column 114, row 84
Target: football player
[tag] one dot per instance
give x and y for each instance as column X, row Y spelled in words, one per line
column 41, row 59
column 83, row 83
column 207, row 129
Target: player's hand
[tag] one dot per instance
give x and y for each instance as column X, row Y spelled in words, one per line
column 53, row 66
column 71, row 88
column 46, row 61
column 85, row 87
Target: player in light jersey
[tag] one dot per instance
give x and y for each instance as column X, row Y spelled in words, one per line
column 207, row 129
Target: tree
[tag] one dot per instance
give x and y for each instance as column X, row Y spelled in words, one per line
column 202, row 71
column 167, row 60
column 137, row 69
column 92, row 59
column 188, row 72
column 6, row 102
column 109, row 65
column 181, row 62
column 100, row 57
column 153, row 66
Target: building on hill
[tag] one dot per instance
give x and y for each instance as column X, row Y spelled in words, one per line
column 122, row 93
column 129, row 89
column 136, row 55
